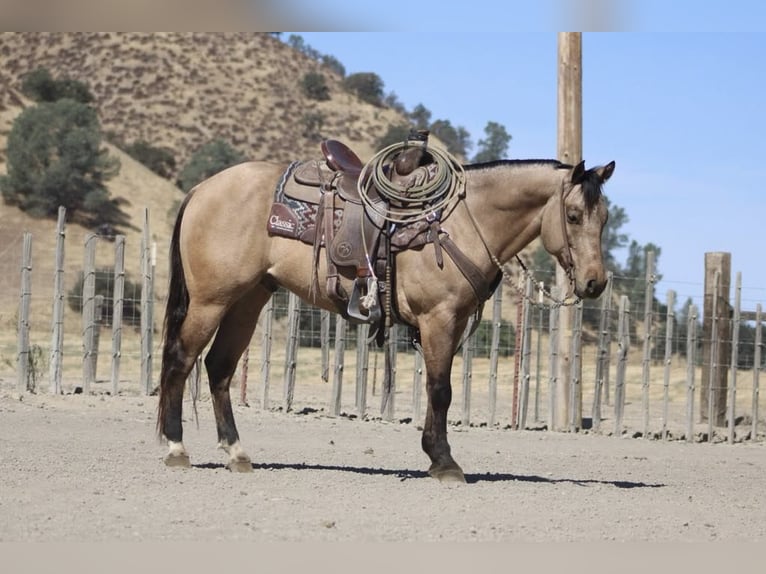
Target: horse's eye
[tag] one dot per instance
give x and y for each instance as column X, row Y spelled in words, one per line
column 573, row 217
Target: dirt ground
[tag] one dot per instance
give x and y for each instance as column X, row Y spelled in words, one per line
column 89, row 469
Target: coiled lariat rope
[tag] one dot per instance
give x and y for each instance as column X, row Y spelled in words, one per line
column 418, row 201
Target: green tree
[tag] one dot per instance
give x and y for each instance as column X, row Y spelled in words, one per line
column 208, row 160
column 420, row 116
column 394, row 134
column 159, row 160
column 612, row 239
column 457, row 139
column 495, row 144
column 367, row 86
column 42, row 87
column 315, row 87
column 55, row 159
column 334, row 64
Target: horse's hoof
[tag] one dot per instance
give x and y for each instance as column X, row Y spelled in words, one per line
column 178, row 461
column 447, row 473
column 242, row 465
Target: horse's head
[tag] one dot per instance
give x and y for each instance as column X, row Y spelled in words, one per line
column 573, row 221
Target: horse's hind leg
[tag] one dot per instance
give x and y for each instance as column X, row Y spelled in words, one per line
column 233, row 336
column 179, row 357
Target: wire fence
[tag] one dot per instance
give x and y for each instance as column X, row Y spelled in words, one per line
column 638, row 363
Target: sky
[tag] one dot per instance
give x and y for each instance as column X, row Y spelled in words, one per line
column 681, row 113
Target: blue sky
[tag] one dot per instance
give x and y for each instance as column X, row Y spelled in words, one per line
column 681, row 113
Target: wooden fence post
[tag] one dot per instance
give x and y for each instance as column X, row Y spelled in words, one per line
column 362, row 368
column 669, row 323
column 623, row 346
column 57, row 322
column 88, row 310
column 23, row 357
column 389, row 380
column 291, row 353
column 148, row 258
column 714, row 378
column 648, row 338
column 337, row 377
column 691, row 365
column 117, row 304
column 417, row 386
column 494, row 353
column 602, row 361
column 267, row 320
column 468, row 351
column 526, row 353
column 553, row 360
column 732, row 398
column 714, row 357
column 756, row 373
column 324, row 341
column 575, row 384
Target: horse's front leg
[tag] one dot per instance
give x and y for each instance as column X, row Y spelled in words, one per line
column 438, row 351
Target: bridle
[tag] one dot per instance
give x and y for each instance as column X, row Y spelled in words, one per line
column 564, row 256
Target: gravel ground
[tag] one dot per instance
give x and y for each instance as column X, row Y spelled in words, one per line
column 89, row 469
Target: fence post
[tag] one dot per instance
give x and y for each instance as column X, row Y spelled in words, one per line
column 324, row 342
column 714, row 350
column 719, row 263
column 417, row 386
column 88, row 310
column 494, row 353
column 526, row 353
column 57, row 322
column 756, row 372
column 267, row 318
column 291, row 353
column 539, row 354
column 669, row 323
column 575, row 385
column 623, row 346
column 389, row 380
column 468, row 344
column 645, row 378
column 734, row 356
column 691, row 360
column 148, row 259
column 117, row 304
column 24, row 303
column 98, row 313
column 602, row 361
column 362, row 368
column 553, row 359
column 337, row 378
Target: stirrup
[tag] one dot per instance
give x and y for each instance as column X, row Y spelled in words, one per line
column 364, row 307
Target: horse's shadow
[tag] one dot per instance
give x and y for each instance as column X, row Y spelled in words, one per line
column 412, row 474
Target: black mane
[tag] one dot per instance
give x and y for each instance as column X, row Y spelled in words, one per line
column 591, row 185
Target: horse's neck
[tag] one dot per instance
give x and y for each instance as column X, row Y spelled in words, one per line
column 508, row 201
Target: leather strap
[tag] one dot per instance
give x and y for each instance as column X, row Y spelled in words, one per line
column 481, row 288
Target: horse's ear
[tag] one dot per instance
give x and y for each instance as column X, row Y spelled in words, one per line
column 605, row 172
column 578, row 173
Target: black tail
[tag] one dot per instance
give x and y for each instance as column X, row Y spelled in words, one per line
column 175, row 312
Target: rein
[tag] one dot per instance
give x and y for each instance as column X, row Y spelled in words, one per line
column 569, row 268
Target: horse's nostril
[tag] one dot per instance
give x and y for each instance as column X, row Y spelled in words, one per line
column 591, row 285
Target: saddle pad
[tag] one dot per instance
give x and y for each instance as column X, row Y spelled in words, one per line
column 295, row 218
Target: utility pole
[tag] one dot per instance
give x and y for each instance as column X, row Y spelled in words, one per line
column 569, row 150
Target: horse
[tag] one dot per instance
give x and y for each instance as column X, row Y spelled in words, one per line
column 224, row 267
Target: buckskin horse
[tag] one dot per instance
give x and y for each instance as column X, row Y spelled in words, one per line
column 225, row 265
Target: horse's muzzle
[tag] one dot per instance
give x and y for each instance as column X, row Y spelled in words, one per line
column 593, row 288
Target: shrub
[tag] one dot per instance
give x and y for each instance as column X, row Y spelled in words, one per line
column 131, row 303
column 208, row 160
column 315, row 87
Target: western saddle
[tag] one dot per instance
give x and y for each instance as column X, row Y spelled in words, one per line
column 319, row 203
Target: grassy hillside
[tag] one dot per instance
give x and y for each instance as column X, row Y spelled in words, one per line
column 177, row 91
